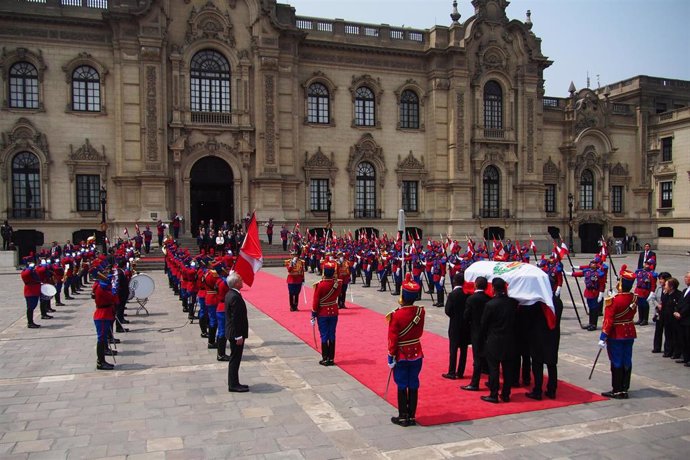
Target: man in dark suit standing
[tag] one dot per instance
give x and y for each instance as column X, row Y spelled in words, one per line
column 474, row 309
column 645, row 255
column 682, row 315
column 498, row 329
column 236, row 330
column 458, row 329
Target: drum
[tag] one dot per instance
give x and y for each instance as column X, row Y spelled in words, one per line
column 48, row 291
column 142, row 285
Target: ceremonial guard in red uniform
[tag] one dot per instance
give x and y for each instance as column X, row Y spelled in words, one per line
column 324, row 310
column 295, row 279
column 618, row 334
column 644, row 289
column 595, row 285
column 105, row 296
column 343, row 274
column 32, row 292
column 405, row 356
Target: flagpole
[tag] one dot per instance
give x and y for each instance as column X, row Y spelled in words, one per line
column 577, row 281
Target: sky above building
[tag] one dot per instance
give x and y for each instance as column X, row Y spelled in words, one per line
column 612, row 40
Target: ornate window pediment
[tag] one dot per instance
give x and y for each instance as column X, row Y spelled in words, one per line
column 86, row 159
column 551, row 171
column 319, row 165
column 24, row 136
column 410, row 168
column 209, row 23
column 366, row 149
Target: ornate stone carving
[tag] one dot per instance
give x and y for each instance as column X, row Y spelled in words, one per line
column 151, row 114
column 319, row 165
column 209, row 23
column 441, row 84
column 366, row 149
column 460, row 126
column 24, row 136
column 550, row 170
column 619, row 170
column 8, row 58
column 270, row 133
column 85, row 153
column 530, row 135
column 86, row 159
column 588, row 111
column 318, row 160
column 410, row 168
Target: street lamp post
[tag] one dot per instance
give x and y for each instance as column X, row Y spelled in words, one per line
column 329, row 198
column 570, row 220
column 104, row 225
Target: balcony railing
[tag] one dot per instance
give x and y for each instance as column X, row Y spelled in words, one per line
column 26, row 213
column 353, row 29
column 552, row 102
column 494, row 213
column 367, row 213
column 212, row 118
column 492, row 133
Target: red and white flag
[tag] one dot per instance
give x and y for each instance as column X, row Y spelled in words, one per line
column 136, row 227
column 532, row 246
column 562, row 250
column 126, row 232
column 251, row 257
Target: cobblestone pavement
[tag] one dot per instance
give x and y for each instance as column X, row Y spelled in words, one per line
column 168, row 396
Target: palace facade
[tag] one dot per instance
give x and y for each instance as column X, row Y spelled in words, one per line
column 212, row 109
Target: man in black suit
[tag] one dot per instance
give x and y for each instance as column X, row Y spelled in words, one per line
column 236, row 330
column 645, row 255
column 498, row 330
column 458, row 329
column 682, row 315
column 474, row 309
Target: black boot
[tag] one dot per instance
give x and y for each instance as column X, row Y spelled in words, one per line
column 101, row 363
column 212, row 337
column 440, row 298
column 44, row 310
column 30, row 319
column 203, row 325
column 222, row 343
column 325, row 354
column 412, row 406
column 616, row 382
column 185, row 306
column 331, row 353
column 397, row 289
column 401, row 419
column 625, row 382
column 593, row 320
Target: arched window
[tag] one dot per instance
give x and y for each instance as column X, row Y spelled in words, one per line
column 23, row 86
column 409, row 110
column 26, row 186
column 86, row 89
column 318, row 108
column 365, row 114
column 493, row 105
column 210, row 82
column 587, row 190
column 365, row 191
column 491, row 197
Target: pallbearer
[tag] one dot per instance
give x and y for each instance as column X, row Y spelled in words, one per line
column 295, row 279
column 405, row 328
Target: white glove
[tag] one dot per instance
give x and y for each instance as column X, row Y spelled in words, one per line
column 558, row 291
column 313, row 321
column 567, row 273
column 601, row 297
column 602, row 344
column 651, row 297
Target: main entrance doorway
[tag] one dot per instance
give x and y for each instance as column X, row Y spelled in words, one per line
column 590, row 234
column 211, row 193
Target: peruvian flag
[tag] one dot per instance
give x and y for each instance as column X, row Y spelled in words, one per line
column 603, row 252
column 126, row 232
column 136, row 228
column 251, row 257
column 562, row 250
column 532, row 246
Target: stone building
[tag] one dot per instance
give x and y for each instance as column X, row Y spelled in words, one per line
column 212, row 109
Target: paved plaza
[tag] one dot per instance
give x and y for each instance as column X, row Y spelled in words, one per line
column 168, row 398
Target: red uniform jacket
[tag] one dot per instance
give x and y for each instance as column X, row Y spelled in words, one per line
column 223, row 289
column 32, row 283
column 295, row 271
column 404, row 332
column 105, row 302
column 619, row 312
column 325, row 302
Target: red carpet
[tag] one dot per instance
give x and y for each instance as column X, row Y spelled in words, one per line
column 361, row 352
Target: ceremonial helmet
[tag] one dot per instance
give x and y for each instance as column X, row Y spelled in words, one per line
column 626, row 280
column 329, row 269
column 410, row 289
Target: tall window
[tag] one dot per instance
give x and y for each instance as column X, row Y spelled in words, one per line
column 617, row 199
column 318, row 104
column 26, row 185
column 23, row 86
column 319, row 194
column 491, row 197
column 365, row 191
column 86, row 89
column 210, row 82
column 88, row 192
column 493, row 105
column 587, row 190
column 409, row 195
column 409, row 110
column 666, row 194
column 667, row 149
column 365, row 114
column 550, row 198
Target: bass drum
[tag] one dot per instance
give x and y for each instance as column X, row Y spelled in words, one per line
column 142, row 285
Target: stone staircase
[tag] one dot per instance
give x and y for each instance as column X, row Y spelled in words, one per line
column 273, row 255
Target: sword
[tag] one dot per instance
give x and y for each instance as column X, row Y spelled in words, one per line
column 595, row 363
column 313, row 333
column 304, row 292
column 385, row 393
